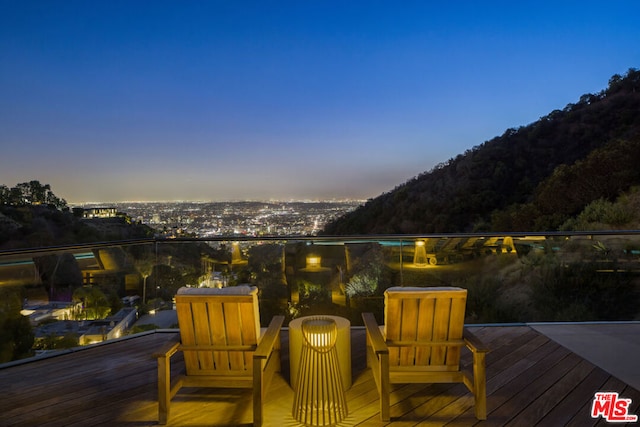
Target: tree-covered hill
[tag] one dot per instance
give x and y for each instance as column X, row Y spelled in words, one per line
column 32, row 216
column 533, row 178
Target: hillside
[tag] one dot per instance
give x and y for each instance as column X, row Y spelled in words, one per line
column 32, row 226
column 533, row 178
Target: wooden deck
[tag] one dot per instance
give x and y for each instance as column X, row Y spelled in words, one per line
column 531, row 380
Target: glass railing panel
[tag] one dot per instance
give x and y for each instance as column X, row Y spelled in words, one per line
column 91, row 293
column 56, row 298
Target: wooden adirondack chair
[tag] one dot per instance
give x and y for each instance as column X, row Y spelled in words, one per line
column 223, row 345
column 421, row 342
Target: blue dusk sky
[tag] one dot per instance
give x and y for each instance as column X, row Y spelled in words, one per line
column 233, row 100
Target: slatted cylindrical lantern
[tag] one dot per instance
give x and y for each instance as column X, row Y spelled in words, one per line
column 319, row 393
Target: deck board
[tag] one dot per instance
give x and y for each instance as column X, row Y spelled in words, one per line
column 571, row 405
column 531, row 380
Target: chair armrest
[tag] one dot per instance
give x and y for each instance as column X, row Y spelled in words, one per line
column 474, row 343
column 168, row 349
column 373, row 332
column 269, row 338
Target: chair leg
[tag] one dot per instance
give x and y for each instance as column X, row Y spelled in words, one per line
column 480, row 384
column 258, row 391
column 385, row 387
column 164, row 389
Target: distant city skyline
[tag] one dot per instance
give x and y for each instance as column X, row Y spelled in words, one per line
column 113, row 101
column 208, row 219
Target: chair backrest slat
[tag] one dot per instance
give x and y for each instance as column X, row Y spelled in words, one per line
column 218, row 333
column 203, row 335
column 233, row 328
column 187, row 332
column 408, row 329
column 425, row 331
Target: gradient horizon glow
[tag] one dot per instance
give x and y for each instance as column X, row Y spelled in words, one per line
column 236, row 100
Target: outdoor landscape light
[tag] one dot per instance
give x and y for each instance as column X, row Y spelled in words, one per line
column 420, row 254
column 313, row 261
